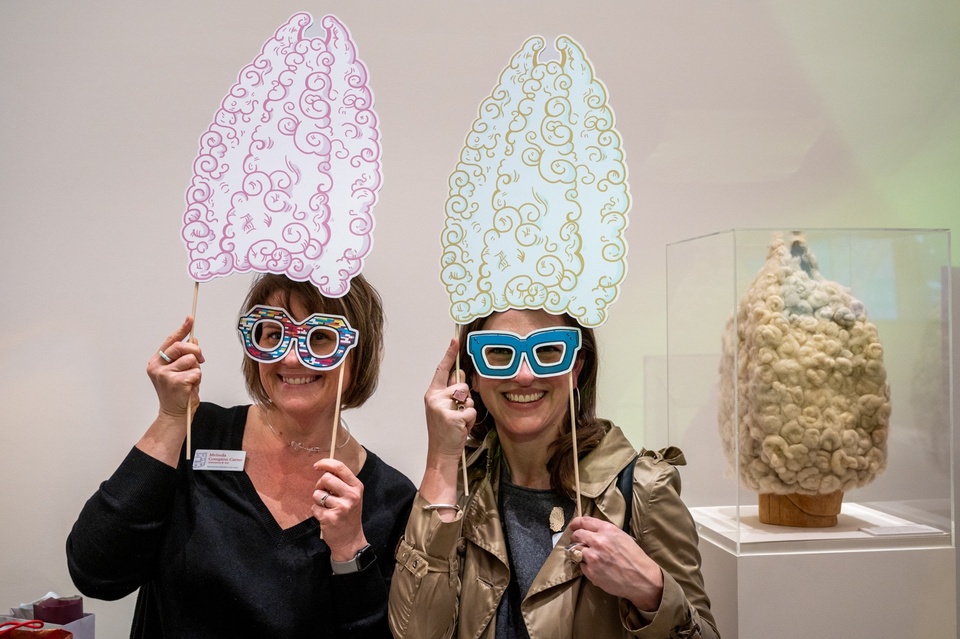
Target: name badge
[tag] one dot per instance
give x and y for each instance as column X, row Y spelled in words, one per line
column 219, row 460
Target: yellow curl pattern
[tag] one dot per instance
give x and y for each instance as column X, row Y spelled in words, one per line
column 537, row 206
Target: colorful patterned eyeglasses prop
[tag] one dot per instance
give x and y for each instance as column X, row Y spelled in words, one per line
column 322, row 341
column 537, row 207
column 288, row 172
column 548, row 352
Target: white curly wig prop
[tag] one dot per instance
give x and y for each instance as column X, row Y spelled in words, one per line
column 804, row 400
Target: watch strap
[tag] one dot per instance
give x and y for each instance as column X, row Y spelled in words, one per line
column 364, row 557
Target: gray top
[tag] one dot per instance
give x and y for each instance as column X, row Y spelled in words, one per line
column 525, row 513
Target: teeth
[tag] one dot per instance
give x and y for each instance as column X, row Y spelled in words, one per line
column 298, row 380
column 524, row 399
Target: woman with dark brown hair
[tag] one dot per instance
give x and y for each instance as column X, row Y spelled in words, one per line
column 515, row 557
column 267, row 528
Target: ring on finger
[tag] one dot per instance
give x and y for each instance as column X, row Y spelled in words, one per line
column 460, row 396
column 323, row 500
column 164, row 356
column 574, row 553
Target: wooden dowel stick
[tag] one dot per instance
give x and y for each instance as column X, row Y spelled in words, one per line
column 336, row 415
column 573, row 436
column 463, row 451
column 193, row 314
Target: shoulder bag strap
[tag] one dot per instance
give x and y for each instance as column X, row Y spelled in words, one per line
column 625, row 485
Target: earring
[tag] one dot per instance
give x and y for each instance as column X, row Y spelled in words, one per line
column 486, row 414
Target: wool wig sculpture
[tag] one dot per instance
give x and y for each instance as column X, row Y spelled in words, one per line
column 804, row 403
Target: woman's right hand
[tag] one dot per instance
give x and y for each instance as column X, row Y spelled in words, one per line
column 177, row 384
column 448, row 423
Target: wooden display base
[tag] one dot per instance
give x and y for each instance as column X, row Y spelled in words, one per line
column 802, row 511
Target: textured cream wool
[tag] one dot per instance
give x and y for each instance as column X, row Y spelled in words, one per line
column 804, row 399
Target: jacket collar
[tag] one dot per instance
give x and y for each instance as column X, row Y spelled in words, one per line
column 602, row 464
column 598, row 470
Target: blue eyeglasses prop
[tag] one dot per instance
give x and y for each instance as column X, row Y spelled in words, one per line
column 322, row 340
column 548, row 351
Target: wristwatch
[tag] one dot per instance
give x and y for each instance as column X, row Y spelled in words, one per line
column 364, row 557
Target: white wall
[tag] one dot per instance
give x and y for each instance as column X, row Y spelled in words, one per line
column 734, row 115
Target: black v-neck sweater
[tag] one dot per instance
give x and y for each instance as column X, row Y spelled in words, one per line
column 211, row 561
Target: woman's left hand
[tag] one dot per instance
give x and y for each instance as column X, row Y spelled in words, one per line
column 338, row 506
column 615, row 563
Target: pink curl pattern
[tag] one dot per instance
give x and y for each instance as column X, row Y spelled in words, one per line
column 288, row 172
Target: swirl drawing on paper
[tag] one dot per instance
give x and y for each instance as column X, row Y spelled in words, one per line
column 538, row 202
column 288, row 172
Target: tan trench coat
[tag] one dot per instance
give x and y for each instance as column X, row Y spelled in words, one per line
column 450, row 575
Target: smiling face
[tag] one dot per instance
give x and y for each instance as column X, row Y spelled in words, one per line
column 297, row 390
column 360, row 308
column 525, row 407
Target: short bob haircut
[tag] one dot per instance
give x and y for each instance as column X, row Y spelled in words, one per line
column 361, row 306
column 590, row 429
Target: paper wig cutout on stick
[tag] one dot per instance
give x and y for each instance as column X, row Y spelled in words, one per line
column 538, row 201
column 288, row 172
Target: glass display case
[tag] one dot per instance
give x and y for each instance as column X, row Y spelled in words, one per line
column 900, row 279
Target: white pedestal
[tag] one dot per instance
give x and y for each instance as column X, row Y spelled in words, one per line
column 851, row 593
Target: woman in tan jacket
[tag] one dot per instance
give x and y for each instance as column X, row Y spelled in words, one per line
column 513, row 559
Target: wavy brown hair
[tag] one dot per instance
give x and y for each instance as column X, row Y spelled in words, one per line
column 361, row 306
column 590, row 429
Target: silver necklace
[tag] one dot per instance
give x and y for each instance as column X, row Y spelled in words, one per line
column 295, row 445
